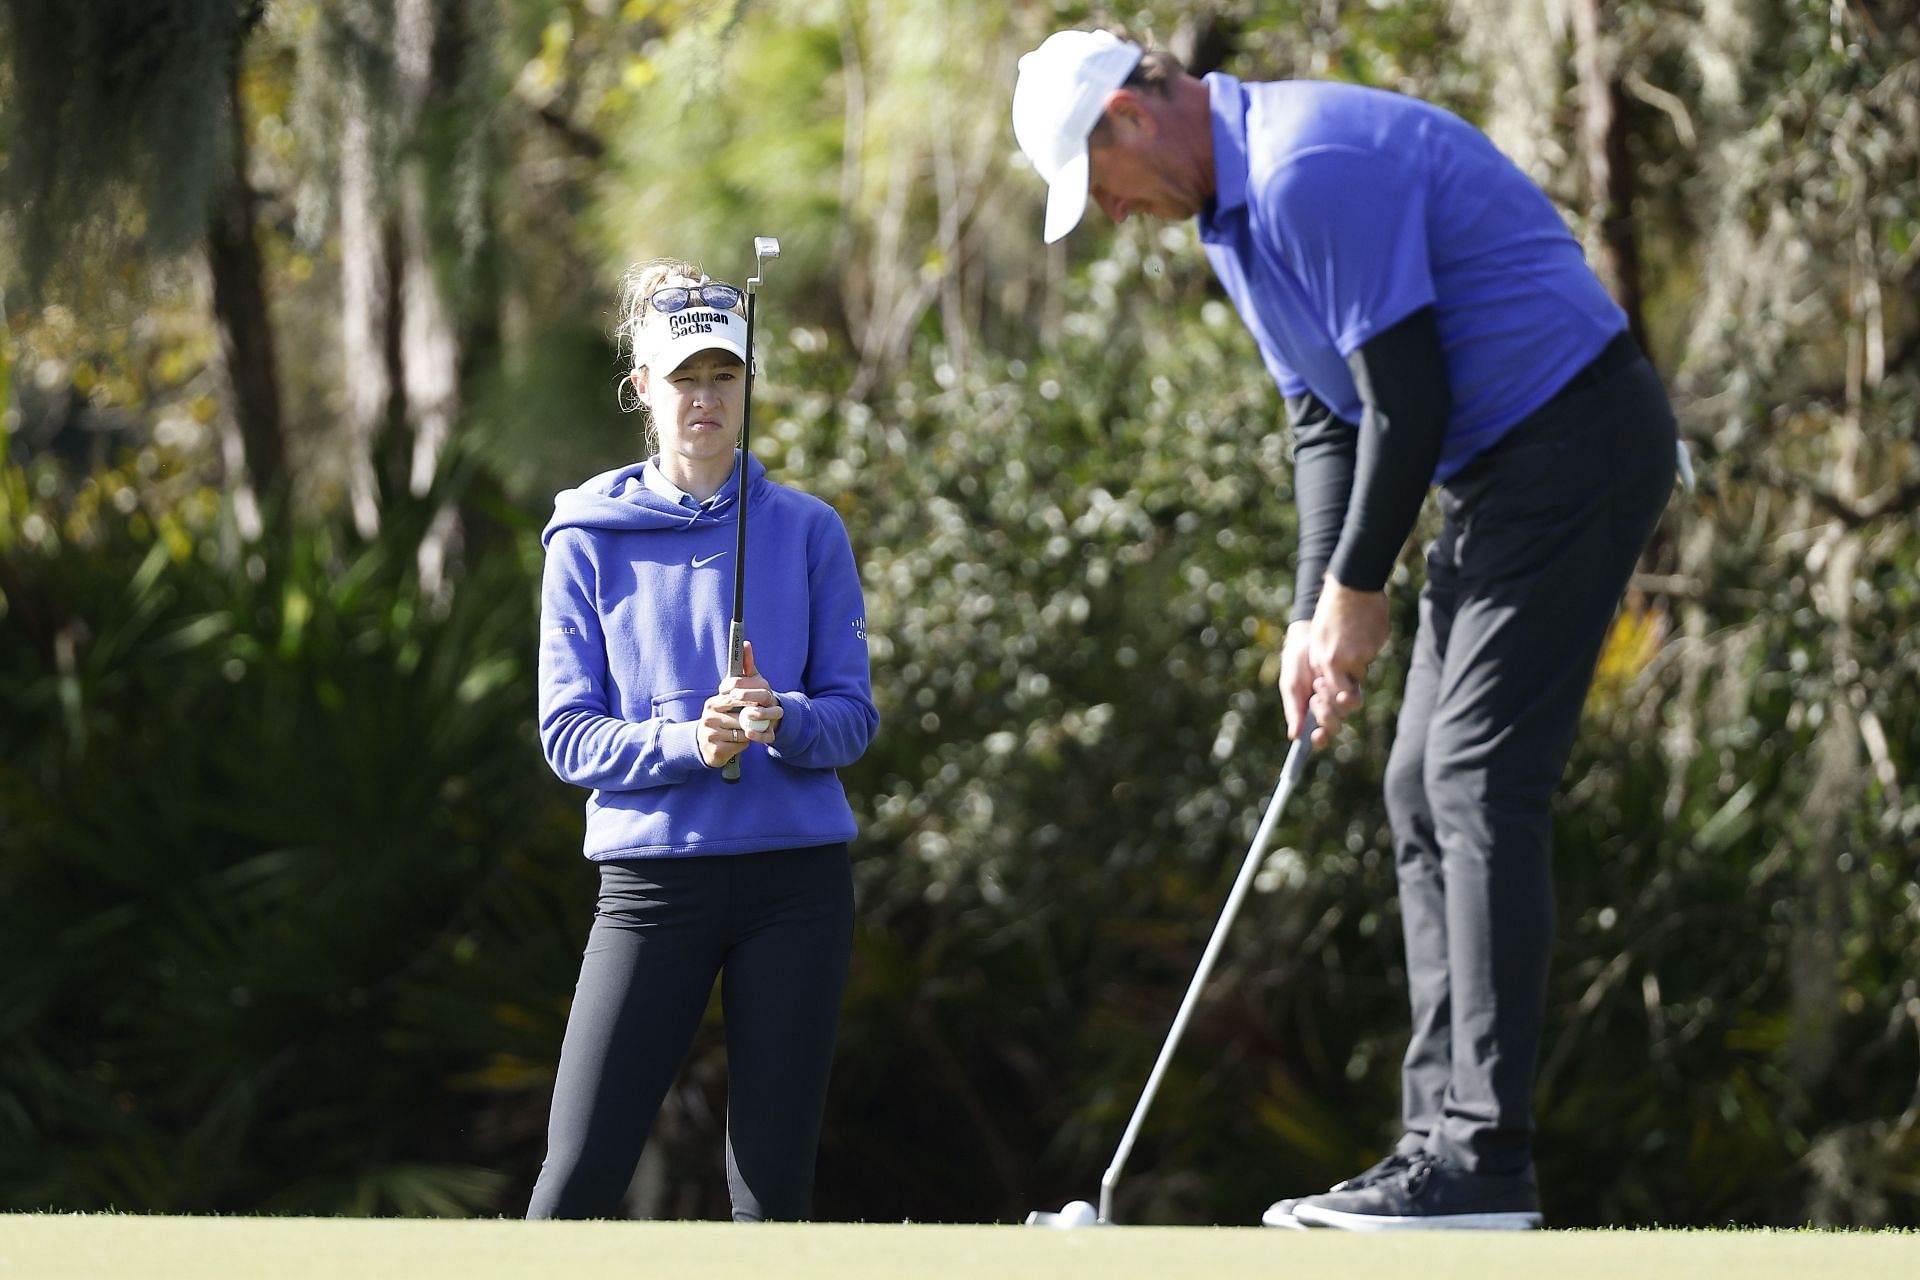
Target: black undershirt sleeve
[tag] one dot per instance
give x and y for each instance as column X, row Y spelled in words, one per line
column 1323, row 449
column 1366, row 485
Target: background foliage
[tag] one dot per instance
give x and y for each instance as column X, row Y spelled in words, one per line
column 290, row 910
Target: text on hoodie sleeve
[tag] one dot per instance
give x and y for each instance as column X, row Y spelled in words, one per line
column 831, row 718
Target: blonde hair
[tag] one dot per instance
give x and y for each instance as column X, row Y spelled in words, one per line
column 636, row 286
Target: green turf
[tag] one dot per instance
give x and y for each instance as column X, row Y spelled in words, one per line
column 54, row 1247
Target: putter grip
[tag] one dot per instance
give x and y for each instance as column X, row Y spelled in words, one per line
column 1302, row 748
column 736, row 666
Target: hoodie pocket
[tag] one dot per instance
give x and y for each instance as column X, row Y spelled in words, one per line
column 681, row 705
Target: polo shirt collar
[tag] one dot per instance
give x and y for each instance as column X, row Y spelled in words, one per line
column 653, row 478
column 1228, row 103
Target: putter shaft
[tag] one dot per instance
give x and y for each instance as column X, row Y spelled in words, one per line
column 1290, row 772
column 763, row 247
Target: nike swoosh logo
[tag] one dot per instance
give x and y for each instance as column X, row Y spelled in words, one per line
column 699, row 563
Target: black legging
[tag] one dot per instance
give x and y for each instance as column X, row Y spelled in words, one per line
column 780, row 926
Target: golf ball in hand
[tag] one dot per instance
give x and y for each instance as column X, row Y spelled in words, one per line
column 755, row 719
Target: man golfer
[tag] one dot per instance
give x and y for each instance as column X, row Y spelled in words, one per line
column 1430, row 321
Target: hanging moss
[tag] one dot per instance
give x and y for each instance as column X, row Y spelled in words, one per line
column 113, row 123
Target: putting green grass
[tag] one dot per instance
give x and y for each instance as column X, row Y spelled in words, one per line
column 56, row 1247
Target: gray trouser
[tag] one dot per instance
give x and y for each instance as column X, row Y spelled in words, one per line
column 1541, row 533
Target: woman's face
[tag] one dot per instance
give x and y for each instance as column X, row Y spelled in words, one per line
column 696, row 408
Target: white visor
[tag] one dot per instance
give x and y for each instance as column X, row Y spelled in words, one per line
column 683, row 333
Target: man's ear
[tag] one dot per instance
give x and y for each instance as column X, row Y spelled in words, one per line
column 1128, row 111
column 638, row 379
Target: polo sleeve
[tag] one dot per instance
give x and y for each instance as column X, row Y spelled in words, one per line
column 1231, row 270
column 1351, row 225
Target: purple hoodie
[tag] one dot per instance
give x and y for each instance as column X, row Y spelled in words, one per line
column 634, row 610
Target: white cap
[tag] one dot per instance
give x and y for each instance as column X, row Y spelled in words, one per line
column 695, row 329
column 1059, row 96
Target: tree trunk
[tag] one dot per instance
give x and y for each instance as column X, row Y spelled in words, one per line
column 429, row 53
column 1610, row 185
column 429, row 347
column 364, row 289
column 1610, row 193
column 255, row 444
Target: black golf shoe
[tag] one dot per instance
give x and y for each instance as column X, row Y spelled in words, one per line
column 1280, row 1212
column 1427, row 1193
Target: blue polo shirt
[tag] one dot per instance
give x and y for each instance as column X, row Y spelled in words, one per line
column 1338, row 211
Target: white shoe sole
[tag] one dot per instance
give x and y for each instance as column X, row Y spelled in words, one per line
column 1314, row 1216
column 1275, row 1216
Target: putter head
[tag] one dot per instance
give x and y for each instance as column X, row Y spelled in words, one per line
column 764, row 248
column 1075, row 1213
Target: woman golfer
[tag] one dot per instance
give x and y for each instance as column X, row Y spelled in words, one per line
column 700, row 879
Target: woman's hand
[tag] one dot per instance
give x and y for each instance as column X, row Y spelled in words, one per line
column 744, row 710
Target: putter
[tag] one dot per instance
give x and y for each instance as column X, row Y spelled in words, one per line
column 1078, row 1213
column 765, row 248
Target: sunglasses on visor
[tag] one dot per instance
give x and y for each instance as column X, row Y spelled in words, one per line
column 721, row 297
